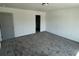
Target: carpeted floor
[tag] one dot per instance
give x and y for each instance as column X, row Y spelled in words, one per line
column 39, row 44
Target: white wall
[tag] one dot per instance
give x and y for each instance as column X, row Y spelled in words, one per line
column 64, row 22
column 24, row 20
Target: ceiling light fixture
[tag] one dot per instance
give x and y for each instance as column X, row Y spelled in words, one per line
column 44, row 4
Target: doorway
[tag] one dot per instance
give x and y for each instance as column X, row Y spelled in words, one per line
column 37, row 23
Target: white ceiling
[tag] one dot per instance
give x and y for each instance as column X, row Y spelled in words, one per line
column 38, row 6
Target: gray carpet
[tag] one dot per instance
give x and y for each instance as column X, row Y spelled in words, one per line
column 39, row 44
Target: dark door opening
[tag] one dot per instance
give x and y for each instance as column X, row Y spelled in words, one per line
column 37, row 23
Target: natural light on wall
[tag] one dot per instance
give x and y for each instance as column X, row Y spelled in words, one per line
column 77, row 53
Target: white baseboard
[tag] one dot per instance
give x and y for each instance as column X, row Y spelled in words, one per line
column 64, row 37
